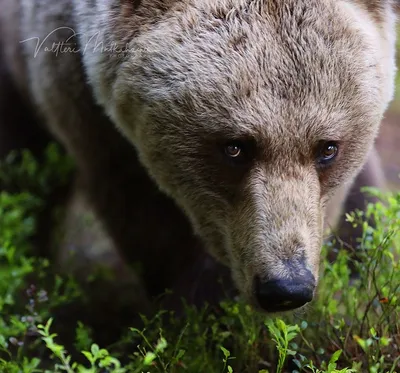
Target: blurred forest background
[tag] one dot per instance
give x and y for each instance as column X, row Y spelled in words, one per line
column 388, row 142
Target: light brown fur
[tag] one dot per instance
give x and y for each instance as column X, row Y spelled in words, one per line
column 181, row 78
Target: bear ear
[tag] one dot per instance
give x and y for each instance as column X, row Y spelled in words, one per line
column 377, row 6
column 380, row 9
column 396, row 6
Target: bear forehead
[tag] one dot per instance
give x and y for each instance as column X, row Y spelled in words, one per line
column 254, row 62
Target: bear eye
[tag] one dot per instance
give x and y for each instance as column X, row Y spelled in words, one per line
column 327, row 152
column 233, row 150
column 238, row 152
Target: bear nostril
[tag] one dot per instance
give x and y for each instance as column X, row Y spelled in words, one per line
column 284, row 294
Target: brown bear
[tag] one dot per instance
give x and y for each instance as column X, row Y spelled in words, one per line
column 225, row 125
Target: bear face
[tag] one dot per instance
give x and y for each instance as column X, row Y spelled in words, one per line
column 251, row 115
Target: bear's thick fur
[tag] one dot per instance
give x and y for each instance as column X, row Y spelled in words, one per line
column 202, row 123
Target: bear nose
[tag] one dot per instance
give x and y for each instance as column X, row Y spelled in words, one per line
column 284, row 294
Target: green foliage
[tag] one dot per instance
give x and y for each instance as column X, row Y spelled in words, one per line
column 282, row 334
column 354, row 326
column 98, row 358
